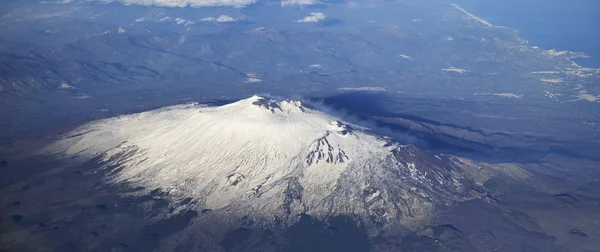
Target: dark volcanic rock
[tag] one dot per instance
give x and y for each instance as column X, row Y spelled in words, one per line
column 342, row 235
column 577, row 232
column 235, row 239
column 16, row 217
column 566, row 198
column 524, row 220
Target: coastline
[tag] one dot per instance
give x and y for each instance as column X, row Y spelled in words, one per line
column 544, row 37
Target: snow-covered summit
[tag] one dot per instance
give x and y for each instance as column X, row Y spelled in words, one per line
column 263, row 157
column 275, row 106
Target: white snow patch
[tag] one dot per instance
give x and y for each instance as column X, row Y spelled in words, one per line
column 413, row 169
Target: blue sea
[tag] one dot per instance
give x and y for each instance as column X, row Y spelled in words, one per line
column 572, row 25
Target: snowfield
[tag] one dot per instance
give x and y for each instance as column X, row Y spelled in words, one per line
column 269, row 159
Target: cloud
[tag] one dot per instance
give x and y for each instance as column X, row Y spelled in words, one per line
column 179, row 21
column 183, row 21
column 299, row 2
column 557, row 80
column 457, row 70
column 208, row 19
column 313, row 18
column 219, row 19
column 225, row 19
column 176, row 3
column 505, row 95
column 583, row 95
column 252, row 78
column 377, row 89
column 65, row 85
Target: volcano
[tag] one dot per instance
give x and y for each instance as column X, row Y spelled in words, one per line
column 272, row 161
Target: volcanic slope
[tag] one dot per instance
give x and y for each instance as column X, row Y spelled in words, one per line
column 269, row 159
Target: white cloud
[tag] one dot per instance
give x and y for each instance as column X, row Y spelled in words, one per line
column 378, row 89
column 299, row 2
column 219, row 19
column 142, row 19
column 545, row 72
column 165, row 19
column 557, row 80
column 313, row 18
column 65, row 85
column 177, row 3
column 457, row 70
column 505, row 95
column 225, row 19
column 252, row 78
column 208, row 19
column 583, row 95
column 183, row 21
